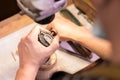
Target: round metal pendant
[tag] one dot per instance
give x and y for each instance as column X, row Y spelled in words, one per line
column 45, row 38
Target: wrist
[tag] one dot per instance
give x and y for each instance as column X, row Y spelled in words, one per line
column 29, row 65
column 81, row 35
column 27, row 73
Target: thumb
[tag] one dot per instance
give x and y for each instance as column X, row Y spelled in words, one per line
column 55, row 44
column 34, row 32
column 49, row 26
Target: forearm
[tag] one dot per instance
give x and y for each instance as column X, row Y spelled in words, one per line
column 100, row 46
column 26, row 73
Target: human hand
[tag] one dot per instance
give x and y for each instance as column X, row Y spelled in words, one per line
column 63, row 27
column 32, row 52
column 66, row 29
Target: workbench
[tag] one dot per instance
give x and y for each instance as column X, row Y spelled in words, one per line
column 14, row 23
column 11, row 30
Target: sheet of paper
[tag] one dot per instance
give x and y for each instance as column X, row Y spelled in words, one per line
column 8, row 59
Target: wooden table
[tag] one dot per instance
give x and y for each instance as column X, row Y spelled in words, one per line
column 65, row 61
column 13, row 24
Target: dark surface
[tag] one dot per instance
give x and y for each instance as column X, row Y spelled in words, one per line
column 46, row 20
column 61, row 76
column 8, row 8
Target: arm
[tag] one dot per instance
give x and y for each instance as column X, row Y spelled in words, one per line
column 32, row 54
column 100, row 46
column 69, row 31
column 27, row 73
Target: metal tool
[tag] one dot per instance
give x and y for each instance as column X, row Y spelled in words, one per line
column 41, row 11
column 46, row 38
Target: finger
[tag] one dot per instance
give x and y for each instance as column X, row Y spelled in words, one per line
column 55, row 44
column 42, row 29
column 49, row 26
column 36, row 30
column 20, row 48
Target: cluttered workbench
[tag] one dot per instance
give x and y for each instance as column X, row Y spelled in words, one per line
column 11, row 31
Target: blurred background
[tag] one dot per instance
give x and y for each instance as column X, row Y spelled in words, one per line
column 9, row 8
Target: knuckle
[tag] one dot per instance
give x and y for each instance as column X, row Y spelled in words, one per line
column 22, row 39
column 28, row 39
column 19, row 45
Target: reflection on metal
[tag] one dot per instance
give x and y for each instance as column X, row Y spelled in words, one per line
column 46, row 38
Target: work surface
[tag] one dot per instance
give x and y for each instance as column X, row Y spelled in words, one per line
column 11, row 32
column 8, row 56
column 9, row 59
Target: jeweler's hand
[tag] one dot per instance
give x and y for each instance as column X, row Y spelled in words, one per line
column 33, row 54
column 66, row 29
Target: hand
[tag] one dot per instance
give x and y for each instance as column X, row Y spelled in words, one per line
column 32, row 54
column 66, row 29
